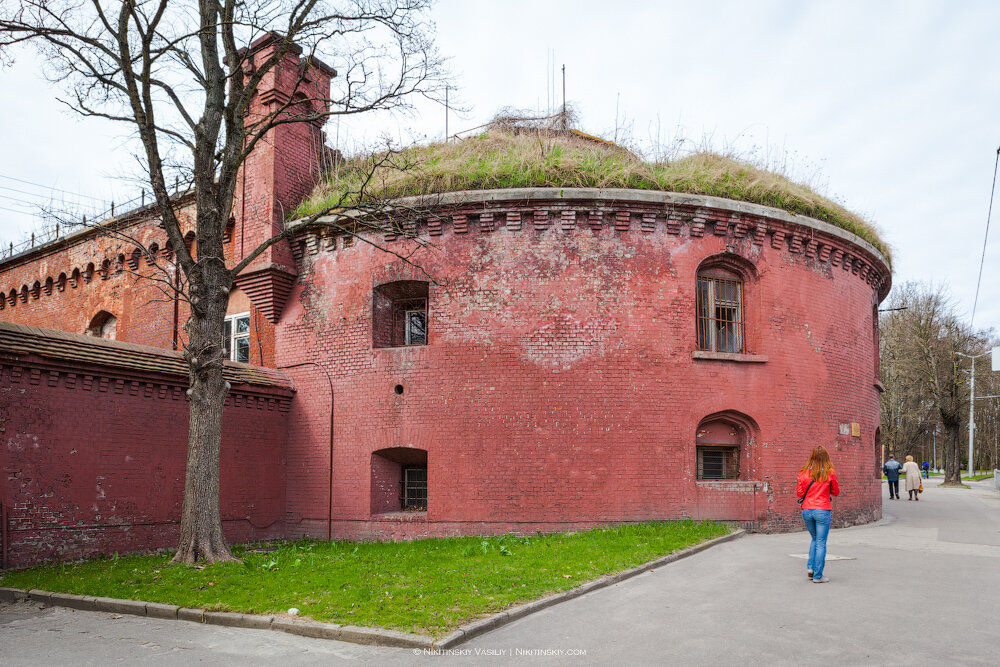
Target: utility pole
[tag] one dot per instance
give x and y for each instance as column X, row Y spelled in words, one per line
column 972, row 395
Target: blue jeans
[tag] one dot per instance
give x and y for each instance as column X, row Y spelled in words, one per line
column 818, row 525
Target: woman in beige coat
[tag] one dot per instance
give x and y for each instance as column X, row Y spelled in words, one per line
column 912, row 472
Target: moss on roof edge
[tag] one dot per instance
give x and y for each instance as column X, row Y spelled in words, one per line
column 500, row 160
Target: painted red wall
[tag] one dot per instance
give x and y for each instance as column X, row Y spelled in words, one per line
column 93, row 461
column 560, row 385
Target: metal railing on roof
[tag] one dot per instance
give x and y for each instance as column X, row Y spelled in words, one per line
column 63, row 228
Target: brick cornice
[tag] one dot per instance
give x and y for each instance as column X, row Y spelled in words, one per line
column 32, row 369
column 566, row 209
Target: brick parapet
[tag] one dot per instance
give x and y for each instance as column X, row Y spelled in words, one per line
column 675, row 214
column 85, row 377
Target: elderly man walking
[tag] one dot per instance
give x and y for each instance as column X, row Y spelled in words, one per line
column 891, row 470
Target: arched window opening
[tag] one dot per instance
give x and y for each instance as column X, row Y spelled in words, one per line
column 719, row 444
column 104, row 325
column 399, row 480
column 720, row 311
column 399, row 314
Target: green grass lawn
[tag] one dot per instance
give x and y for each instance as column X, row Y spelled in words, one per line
column 426, row 586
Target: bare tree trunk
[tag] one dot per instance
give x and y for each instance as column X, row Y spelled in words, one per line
column 952, row 456
column 202, row 537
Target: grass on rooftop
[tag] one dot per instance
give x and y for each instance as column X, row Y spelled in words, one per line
column 501, row 158
column 428, row 586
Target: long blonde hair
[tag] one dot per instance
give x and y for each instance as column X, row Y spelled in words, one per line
column 819, row 466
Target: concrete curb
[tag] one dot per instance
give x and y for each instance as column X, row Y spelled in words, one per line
column 467, row 632
column 344, row 633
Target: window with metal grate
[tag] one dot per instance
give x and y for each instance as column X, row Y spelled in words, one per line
column 720, row 314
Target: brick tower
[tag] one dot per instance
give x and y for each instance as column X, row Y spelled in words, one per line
column 282, row 169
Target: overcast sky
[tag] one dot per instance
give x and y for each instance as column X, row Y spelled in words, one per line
column 889, row 107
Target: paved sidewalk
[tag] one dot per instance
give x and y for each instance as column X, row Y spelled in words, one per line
column 923, row 588
column 922, row 585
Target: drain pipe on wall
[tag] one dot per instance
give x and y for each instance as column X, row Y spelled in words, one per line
column 329, row 380
column 3, row 536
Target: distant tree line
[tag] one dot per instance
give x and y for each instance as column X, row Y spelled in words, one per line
column 922, row 341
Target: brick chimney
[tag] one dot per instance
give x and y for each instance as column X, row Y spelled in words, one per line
column 282, row 169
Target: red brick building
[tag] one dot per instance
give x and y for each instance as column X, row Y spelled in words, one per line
column 558, row 358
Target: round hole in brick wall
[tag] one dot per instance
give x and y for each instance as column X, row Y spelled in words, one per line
column 399, row 389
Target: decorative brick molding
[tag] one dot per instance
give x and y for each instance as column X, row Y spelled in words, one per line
column 624, row 211
column 268, row 288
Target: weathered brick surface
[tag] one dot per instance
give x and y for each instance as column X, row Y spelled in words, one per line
column 559, row 385
column 94, row 463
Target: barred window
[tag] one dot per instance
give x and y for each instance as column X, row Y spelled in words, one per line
column 399, row 314
column 718, row 443
column 718, row 462
column 415, row 487
column 720, row 314
column 399, row 480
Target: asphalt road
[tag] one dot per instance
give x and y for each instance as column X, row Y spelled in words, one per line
column 921, row 586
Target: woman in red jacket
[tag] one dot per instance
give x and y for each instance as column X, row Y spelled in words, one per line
column 816, row 483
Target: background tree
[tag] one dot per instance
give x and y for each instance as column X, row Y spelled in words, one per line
column 179, row 75
column 926, row 380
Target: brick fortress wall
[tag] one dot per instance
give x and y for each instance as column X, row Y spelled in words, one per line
column 562, row 385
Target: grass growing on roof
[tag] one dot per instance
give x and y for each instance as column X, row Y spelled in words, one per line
column 501, row 158
column 426, row 586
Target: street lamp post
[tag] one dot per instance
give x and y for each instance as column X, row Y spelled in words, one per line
column 972, row 399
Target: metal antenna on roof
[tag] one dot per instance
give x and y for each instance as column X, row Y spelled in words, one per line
column 618, row 103
column 548, row 85
column 565, row 125
column 446, row 114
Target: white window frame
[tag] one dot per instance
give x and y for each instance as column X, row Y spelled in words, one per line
column 234, row 336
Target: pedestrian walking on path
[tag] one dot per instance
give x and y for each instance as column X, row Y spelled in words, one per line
column 816, row 484
column 926, row 468
column 891, row 470
column 913, row 483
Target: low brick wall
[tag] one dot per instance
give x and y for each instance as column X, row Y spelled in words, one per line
column 93, row 460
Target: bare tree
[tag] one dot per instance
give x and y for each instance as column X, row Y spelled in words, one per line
column 176, row 73
column 921, row 337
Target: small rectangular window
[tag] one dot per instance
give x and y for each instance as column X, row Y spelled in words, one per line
column 399, row 314
column 718, row 462
column 415, row 487
column 237, row 337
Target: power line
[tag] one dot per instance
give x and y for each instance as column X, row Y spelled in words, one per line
column 38, row 195
column 22, row 211
column 40, row 210
column 49, row 187
column 22, row 201
column 983, row 258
